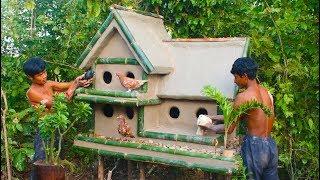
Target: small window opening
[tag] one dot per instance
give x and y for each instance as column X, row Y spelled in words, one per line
column 174, row 112
column 107, row 77
column 130, row 75
column 107, row 110
column 130, row 112
column 201, row 111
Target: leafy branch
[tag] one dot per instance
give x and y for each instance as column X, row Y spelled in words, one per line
column 231, row 114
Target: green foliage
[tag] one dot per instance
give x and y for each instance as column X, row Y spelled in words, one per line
column 284, row 41
column 62, row 117
column 231, row 114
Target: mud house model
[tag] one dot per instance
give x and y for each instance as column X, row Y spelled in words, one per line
column 165, row 109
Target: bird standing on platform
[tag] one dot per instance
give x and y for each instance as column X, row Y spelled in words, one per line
column 130, row 83
column 123, row 127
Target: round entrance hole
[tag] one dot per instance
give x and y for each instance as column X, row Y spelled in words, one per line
column 201, row 111
column 130, row 75
column 107, row 77
column 174, row 112
column 130, row 112
column 108, row 110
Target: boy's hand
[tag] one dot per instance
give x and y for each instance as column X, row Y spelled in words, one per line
column 83, row 83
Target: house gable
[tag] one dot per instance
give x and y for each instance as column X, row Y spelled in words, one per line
column 134, row 36
column 116, row 47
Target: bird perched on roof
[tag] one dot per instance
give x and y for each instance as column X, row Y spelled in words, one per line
column 130, row 83
column 123, row 127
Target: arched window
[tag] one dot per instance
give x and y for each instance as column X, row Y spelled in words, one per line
column 174, row 112
column 108, row 110
column 107, row 77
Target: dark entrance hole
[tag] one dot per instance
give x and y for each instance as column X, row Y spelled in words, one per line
column 107, row 110
column 174, row 112
column 201, row 111
column 107, row 77
column 130, row 75
column 129, row 112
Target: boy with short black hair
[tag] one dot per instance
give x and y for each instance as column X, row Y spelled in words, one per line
column 41, row 91
column 258, row 151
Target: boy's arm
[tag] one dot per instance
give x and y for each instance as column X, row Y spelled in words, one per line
column 70, row 87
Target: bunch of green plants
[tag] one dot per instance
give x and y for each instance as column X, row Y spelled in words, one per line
column 59, row 120
column 230, row 113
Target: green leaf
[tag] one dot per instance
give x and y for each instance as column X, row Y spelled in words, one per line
column 311, row 125
column 57, row 71
column 19, row 127
column 19, row 161
column 30, row 5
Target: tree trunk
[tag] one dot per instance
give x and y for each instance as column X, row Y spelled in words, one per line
column 100, row 168
column 129, row 170
column 3, row 120
column 142, row 175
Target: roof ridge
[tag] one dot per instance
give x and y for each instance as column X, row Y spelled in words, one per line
column 115, row 6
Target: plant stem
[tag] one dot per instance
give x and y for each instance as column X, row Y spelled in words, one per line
column 3, row 119
column 51, row 147
column 59, row 148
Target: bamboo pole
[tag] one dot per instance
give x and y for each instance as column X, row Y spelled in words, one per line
column 129, row 61
column 130, row 170
column 100, row 167
column 142, row 174
column 117, row 101
column 171, row 162
column 153, row 148
column 3, row 120
column 105, row 93
column 94, row 39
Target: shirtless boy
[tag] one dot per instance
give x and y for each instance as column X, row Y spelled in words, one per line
column 41, row 91
column 258, row 151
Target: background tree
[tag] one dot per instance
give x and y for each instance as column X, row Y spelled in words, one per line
column 284, row 41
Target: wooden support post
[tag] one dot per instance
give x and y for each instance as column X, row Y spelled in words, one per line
column 100, row 167
column 207, row 175
column 228, row 177
column 142, row 175
column 129, row 170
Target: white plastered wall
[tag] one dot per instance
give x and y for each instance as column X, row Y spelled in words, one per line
column 157, row 118
column 108, row 126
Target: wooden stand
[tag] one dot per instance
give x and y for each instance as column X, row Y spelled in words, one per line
column 142, row 175
column 129, row 170
column 100, row 167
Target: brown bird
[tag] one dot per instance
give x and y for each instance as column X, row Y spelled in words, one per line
column 130, row 83
column 123, row 127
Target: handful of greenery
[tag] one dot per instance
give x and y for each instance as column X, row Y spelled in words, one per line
column 60, row 120
column 231, row 114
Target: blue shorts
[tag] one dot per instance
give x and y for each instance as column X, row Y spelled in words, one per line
column 260, row 157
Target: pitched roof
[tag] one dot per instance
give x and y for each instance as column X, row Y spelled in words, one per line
column 144, row 34
column 200, row 62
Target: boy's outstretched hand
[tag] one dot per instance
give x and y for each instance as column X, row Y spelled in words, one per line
column 83, row 82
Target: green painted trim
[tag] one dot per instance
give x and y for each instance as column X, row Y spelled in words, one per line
column 138, row 11
column 246, row 46
column 105, row 93
column 152, row 148
column 94, row 39
column 179, row 137
column 147, row 66
column 159, row 160
column 140, row 128
column 130, row 61
column 117, row 100
column 144, row 87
